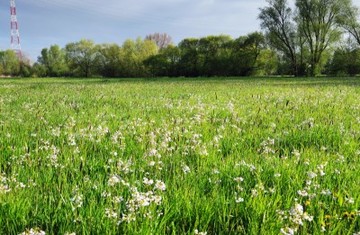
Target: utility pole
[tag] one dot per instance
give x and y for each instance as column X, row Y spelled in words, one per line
column 14, row 30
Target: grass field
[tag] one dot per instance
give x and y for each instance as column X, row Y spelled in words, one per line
column 184, row 156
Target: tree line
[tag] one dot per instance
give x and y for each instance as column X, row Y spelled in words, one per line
column 313, row 37
column 152, row 56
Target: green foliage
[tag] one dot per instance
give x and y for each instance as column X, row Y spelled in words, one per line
column 38, row 70
column 214, row 54
column 317, row 23
column 304, row 35
column 9, row 63
column 245, row 53
column 165, row 63
column 25, row 69
column 133, row 56
column 208, row 56
column 348, row 20
column 301, row 39
column 110, row 60
column 53, row 59
column 266, row 63
column 190, row 59
column 277, row 21
column 82, row 57
column 220, row 55
column 345, row 62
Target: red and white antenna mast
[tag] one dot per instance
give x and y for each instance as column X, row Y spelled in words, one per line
column 15, row 35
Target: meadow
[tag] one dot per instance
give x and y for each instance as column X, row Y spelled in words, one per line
column 182, row 156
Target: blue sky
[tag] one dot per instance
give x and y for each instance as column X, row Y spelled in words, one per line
column 47, row 22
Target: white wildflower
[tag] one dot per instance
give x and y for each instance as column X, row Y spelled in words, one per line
column 239, row 179
column 239, row 200
column 325, row 192
column 105, row 194
column 252, row 168
column 110, row 213
column 115, row 179
column 56, row 132
column 160, row 185
column 307, row 217
column 287, row 231
column 118, row 199
column 77, row 201
column 4, row 188
column 147, row 181
column 33, row 231
column 254, row 192
column 349, row 200
column 272, row 190
column 296, row 153
column 297, row 210
column 303, row 193
column 196, row 232
column 157, row 199
column 186, row 169
column 311, row 175
column 203, row 151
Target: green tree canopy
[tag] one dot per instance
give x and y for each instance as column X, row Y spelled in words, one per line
column 277, row 21
column 83, row 57
column 133, row 56
column 317, row 23
column 53, row 59
column 9, row 63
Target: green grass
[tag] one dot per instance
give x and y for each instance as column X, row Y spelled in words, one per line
column 217, row 156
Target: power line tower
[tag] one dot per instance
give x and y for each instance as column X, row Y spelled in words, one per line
column 14, row 31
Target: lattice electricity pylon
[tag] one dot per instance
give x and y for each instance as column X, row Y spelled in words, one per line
column 14, row 32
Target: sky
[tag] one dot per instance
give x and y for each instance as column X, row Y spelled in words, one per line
column 47, row 22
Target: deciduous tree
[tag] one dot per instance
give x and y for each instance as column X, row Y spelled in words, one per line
column 162, row 40
column 83, row 57
column 214, row 54
column 317, row 22
column 110, row 60
column 133, row 56
column 277, row 21
column 9, row 63
column 349, row 20
column 245, row 53
column 53, row 59
column 190, row 59
column 166, row 63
